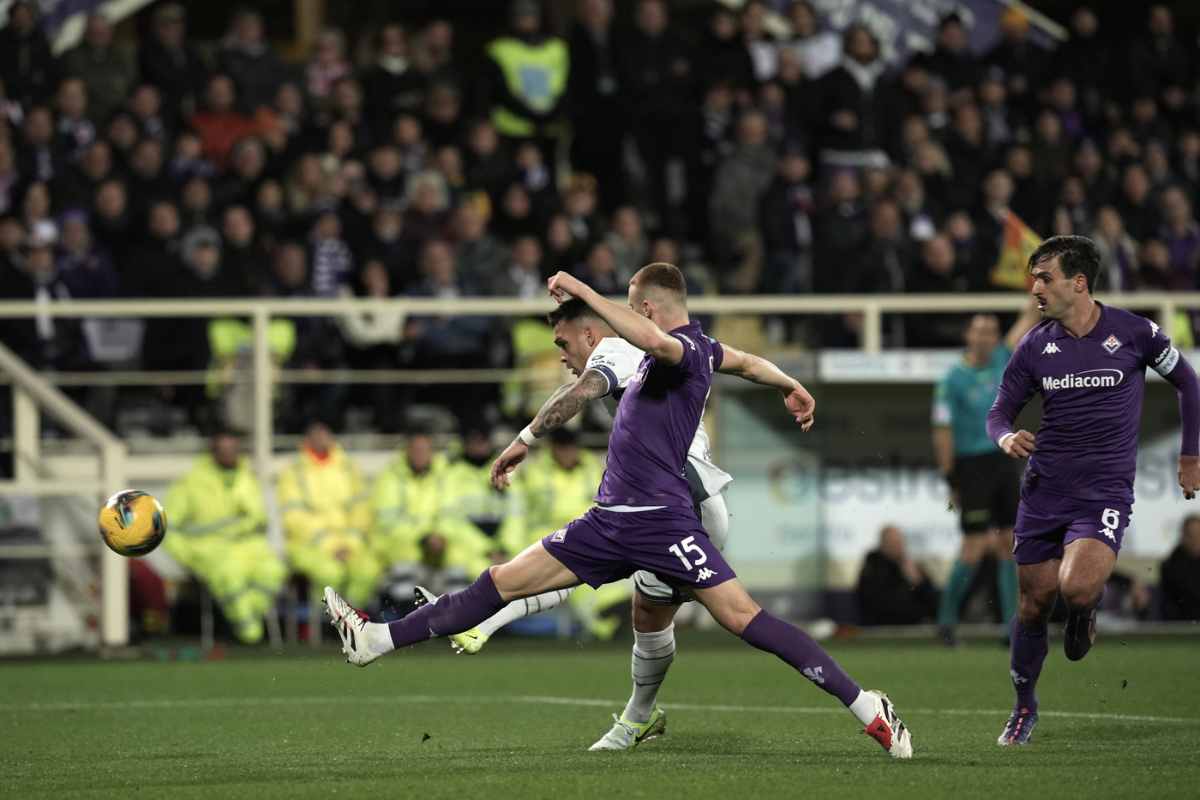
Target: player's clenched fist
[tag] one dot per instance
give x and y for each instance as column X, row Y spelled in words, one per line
column 1018, row 445
column 563, row 286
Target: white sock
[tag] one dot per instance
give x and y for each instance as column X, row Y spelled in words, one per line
column 863, row 707
column 379, row 637
column 523, row 608
column 653, row 653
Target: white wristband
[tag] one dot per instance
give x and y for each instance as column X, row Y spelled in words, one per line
column 1004, row 438
column 526, row 436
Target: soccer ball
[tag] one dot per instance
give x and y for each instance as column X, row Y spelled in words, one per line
column 132, row 523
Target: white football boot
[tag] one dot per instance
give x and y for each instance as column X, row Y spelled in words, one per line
column 363, row 641
column 626, row 735
column 887, row 728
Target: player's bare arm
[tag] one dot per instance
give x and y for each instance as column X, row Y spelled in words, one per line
column 566, row 401
column 627, row 323
column 756, row 369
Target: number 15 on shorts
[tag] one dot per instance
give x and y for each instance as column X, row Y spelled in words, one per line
column 689, row 545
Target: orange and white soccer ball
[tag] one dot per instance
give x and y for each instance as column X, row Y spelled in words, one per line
column 132, row 523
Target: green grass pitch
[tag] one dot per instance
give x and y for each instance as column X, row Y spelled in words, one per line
column 516, row 722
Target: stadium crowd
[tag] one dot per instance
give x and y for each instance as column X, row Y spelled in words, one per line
column 400, row 165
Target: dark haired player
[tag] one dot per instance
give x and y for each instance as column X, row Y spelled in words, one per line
column 644, row 517
column 1089, row 362
column 603, row 364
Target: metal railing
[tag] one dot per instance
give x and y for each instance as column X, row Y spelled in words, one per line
column 31, row 394
column 260, row 313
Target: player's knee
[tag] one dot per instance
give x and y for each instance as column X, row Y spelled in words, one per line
column 1079, row 594
column 1034, row 608
column 736, row 615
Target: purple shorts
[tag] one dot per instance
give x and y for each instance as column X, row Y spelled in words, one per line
column 605, row 546
column 1047, row 523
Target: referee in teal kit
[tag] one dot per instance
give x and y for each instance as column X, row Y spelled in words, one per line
column 983, row 481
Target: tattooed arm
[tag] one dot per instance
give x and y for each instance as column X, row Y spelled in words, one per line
column 563, row 405
column 567, row 401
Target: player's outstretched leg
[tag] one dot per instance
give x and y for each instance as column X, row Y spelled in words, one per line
column 1086, row 566
column 737, row 612
column 1038, row 585
column 472, row 641
column 653, row 652
column 531, row 572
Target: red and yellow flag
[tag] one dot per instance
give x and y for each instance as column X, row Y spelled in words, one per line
column 1019, row 243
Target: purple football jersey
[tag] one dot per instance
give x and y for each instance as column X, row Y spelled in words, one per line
column 655, row 424
column 1092, row 389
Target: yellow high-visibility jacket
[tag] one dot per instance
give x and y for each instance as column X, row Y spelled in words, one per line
column 405, row 507
column 553, row 495
column 323, row 499
column 210, row 507
column 471, row 508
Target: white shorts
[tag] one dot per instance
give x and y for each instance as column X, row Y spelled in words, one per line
column 714, row 518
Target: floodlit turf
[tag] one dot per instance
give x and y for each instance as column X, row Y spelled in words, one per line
column 515, row 722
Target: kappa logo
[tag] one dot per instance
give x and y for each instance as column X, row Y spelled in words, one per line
column 1016, row 678
column 1050, row 349
column 704, row 574
column 1153, row 328
column 1112, row 344
column 1109, row 532
column 814, row 674
column 559, row 535
column 691, row 344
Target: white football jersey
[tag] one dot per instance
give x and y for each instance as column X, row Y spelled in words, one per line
column 618, row 360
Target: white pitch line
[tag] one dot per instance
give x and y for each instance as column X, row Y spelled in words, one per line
column 421, row 699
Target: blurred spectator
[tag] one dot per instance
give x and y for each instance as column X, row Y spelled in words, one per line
column 221, row 125
column 841, row 226
column 472, row 510
column 1118, row 252
column 1136, row 203
column 738, row 186
column 759, row 45
column 328, row 64
column 37, row 157
column 937, row 272
column 786, row 216
column 523, row 275
column 892, row 588
column 656, row 75
column 525, row 84
column 1017, row 56
column 27, row 67
column 627, row 241
column 406, row 501
column 726, row 57
column 1085, row 59
column 106, row 70
column 480, row 257
column 563, row 250
column 852, row 116
column 219, row 532
column 952, row 58
column 1181, row 234
column 75, row 130
column 392, row 85
column 372, row 339
column 598, row 119
column 1180, row 575
column 169, row 62
column 246, row 57
column 327, row 517
column 332, row 261
column 818, row 50
column 246, row 260
column 599, row 271
column 84, row 270
column 1158, row 62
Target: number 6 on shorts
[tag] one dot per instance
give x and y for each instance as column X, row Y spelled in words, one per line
column 689, row 546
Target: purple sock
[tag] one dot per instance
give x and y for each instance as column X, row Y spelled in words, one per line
column 452, row 613
column 798, row 649
column 1029, row 648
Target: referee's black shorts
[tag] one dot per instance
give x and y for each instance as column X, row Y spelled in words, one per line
column 988, row 490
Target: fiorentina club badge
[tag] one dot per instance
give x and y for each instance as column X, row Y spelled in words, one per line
column 1111, row 344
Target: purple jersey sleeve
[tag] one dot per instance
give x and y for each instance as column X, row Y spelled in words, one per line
column 695, row 357
column 1161, row 356
column 1016, row 388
